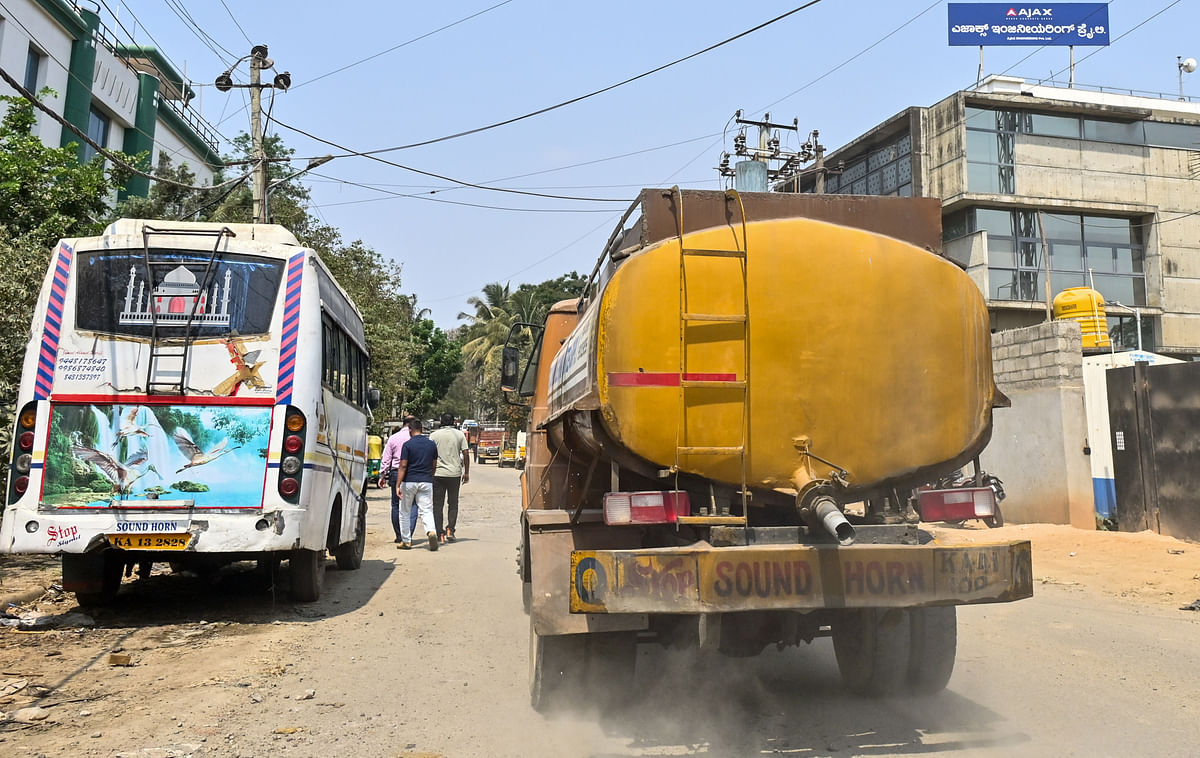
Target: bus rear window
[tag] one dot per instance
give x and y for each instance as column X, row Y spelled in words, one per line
column 114, row 296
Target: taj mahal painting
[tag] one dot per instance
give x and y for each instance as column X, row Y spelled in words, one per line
column 176, row 300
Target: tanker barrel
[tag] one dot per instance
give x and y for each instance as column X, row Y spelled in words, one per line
column 823, row 513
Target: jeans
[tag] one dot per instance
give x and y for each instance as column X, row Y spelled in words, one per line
column 445, row 487
column 420, row 495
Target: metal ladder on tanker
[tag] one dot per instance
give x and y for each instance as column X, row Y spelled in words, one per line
column 693, row 385
column 176, row 348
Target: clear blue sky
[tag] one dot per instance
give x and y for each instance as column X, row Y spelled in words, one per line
column 528, row 54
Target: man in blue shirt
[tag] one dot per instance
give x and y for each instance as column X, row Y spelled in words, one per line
column 414, row 484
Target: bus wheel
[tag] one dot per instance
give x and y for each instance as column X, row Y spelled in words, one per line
column 349, row 555
column 95, row 579
column 932, row 649
column 306, row 568
column 872, row 647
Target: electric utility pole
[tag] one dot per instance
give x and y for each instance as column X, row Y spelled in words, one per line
column 258, row 61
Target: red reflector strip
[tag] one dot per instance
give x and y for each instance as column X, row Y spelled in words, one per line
column 653, row 507
column 662, row 378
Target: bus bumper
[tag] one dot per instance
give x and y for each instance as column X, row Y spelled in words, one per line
column 703, row 579
column 33, row 531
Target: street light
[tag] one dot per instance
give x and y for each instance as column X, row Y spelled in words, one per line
column 1186, row 65
column 1137, row 318
column 312, row 163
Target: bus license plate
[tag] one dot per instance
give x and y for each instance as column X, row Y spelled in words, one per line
column 150, row 541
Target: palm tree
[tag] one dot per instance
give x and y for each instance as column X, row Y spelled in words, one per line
column 489, row 324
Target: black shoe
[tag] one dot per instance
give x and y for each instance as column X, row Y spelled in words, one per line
column 449, row 535
column 433, row 540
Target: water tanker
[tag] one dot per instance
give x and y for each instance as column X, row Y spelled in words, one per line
column 725, row 431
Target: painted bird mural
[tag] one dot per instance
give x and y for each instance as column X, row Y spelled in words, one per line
column 247, row 364
column 130, row 426
column 192, row 451
column 121, row 476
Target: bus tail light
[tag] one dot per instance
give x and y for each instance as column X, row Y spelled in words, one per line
column 291, row 468
column 653, row 507
column 22, row 454
column 956, row 504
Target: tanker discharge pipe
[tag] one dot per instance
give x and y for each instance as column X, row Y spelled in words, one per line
column 821, row 512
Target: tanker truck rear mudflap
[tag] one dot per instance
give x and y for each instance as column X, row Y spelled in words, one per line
column 703, row 579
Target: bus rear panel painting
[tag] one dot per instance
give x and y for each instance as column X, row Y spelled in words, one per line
column 195, row 394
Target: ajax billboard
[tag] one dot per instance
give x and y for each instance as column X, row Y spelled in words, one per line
column 1064, row 24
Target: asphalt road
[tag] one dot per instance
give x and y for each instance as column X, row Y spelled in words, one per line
column 425, row 654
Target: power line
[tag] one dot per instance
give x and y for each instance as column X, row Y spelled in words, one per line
column 101, row 149
column 447, row 178
column 610, row 87
column 424, row 196
column 235, row 23
column 402, row 44
column 207, row 39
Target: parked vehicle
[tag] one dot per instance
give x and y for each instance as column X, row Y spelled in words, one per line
column 163, row 357
column 489, row 442
column 374, row 458
column 702, row 417
column 521, row 437
column 508, row 456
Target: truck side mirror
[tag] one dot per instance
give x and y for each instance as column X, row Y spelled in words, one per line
column 373, row 398
column 510, row 367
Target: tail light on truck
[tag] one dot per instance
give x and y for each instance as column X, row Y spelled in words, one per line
column 956, row 504
column 652, row 507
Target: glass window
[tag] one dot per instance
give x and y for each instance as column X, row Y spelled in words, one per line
column 1029, row 255
column 982, row 146
column 1059, row 226
column 1100, row 258
column 983, row 177
column 1184, row 136
column 994, row 222
column 1100, row 229
column 1118, row 288
column 1054, row 126
column 238, row 296
column 1002, row 284
column 955, row 225
column 98, row 128
column 33, row 70
column 1066, row 256
column 1113, row 131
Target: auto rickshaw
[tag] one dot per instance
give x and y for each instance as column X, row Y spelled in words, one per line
column 374, row 457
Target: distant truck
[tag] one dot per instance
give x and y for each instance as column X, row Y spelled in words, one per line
column 724, row 432
column 490, row 442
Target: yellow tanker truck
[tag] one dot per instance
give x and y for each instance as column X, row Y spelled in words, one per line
column 725, row 432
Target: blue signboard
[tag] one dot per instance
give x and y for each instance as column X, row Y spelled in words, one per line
column 977, row 24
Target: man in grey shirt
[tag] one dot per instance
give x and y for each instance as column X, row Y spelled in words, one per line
column 453, row 470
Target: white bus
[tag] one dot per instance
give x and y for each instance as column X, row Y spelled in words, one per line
column 193, row 393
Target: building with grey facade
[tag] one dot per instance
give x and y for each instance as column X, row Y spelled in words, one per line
column 1048, row 187
column 124, row 96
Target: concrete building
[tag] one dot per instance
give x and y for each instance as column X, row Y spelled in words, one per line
column 126, row 97
column 1047, row 187
column 1044, row 188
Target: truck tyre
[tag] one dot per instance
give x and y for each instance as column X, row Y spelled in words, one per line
column 306, row 569
column 349, row 555
column 872, row 647
column 934, row 643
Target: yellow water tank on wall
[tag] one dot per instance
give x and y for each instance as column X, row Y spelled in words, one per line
column 1085, row 305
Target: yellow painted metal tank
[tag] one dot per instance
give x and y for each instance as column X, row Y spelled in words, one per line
column 867, row 352
column 1085, row 305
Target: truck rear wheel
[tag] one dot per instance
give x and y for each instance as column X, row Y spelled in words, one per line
column 580, row 671
column 933, row 646
column 95, row 578
column 873, row 650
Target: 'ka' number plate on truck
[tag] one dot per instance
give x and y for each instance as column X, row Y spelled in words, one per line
column 150, row 541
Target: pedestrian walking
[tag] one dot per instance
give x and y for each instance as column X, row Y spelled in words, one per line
column 390, row 465
column 418, row 458
column 453, row 470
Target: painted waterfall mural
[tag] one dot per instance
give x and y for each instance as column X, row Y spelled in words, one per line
column 160, row 456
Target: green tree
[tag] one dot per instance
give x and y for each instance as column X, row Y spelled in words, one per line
column 45, row 195
column 434, row 363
